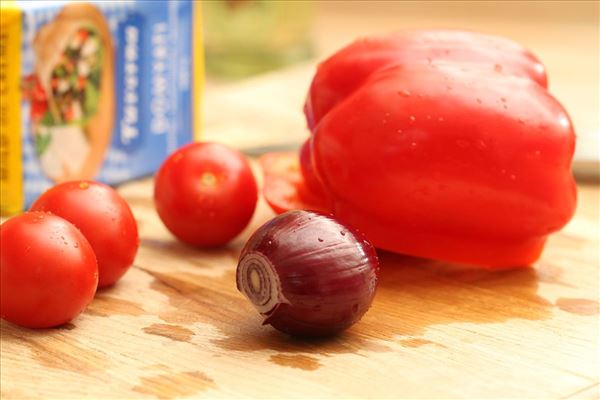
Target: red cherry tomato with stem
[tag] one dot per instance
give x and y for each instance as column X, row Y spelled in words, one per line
column 205, row 194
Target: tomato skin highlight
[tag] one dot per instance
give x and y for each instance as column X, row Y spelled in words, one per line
column 103, row 217
column 205, row 194
column 48, row 270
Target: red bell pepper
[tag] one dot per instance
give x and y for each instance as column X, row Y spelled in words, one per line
column 438, row 144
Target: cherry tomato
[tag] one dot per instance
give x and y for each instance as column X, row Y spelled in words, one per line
column 48, row 270
column 103, row 217
column 205, row 194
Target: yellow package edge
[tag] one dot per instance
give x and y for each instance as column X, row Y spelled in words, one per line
column 11, row 167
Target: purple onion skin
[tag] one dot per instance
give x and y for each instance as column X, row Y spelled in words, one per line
column 326, row 273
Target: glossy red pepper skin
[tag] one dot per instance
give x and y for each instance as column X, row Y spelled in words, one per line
column 345, row 71
column 465, row 160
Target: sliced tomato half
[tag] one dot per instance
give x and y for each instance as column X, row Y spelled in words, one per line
column 284, row 187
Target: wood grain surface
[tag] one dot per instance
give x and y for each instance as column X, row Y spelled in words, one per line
column 175, row 326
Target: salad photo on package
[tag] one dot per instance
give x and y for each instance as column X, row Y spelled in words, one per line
column 71, row 93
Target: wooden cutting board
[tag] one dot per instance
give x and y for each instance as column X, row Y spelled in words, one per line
column 175, row 325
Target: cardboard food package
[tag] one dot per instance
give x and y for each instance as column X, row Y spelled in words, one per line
column 94, row 90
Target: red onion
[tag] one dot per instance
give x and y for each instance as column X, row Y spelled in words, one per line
column 307, row 274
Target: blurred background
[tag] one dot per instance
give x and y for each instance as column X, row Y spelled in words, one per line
column 261, row 55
